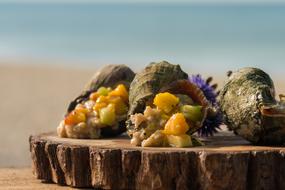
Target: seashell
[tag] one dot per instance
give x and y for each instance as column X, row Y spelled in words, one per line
column 156, row 78
column 108, row 76
column 250, row 109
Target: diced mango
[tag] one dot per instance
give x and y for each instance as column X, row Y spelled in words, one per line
column 99, row 106
column 103, row 91
column 165, row 101
column 102, row 99
column 93, row 96
column 193, row 113
column 120, row 105
column 74, row 117
column 176, row 125
column 107, row 115
column 121, row 91
column 82, row 109
column 179, row 141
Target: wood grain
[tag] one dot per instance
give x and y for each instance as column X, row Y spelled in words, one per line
column 226, row 162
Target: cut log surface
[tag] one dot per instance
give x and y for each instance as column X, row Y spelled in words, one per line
column 225, row 162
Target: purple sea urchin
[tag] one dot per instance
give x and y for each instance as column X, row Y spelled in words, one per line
column 211, row 123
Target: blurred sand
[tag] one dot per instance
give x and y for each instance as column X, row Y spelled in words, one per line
column 34, row 99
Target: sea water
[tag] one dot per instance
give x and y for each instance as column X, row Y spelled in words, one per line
column 202, row 38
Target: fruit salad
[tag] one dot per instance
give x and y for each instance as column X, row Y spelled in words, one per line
column 105, row 108
column 167, row 121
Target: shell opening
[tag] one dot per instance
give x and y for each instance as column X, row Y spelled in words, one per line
column 282, row 98
column 274, row 111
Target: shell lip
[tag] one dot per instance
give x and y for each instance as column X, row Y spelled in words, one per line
column 277, row 110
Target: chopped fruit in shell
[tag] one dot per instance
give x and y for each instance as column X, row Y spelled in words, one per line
column 121, row 91
column 120, row 106
column 102, row 99
column 99, row 106
column 193, row 113
column 179, row 141
column 165, row 101
column 103, row 91
column 75, row 117
column 107, row 115
column 176, row 125
column 81, row 109
column 93, row 96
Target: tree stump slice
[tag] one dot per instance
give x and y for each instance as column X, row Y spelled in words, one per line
column 226, row 162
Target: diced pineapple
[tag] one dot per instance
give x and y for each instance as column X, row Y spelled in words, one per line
column 193, row 113
column 107, row 115
column 121, row 91
column 179, row 141
column 176, row 125
column 165, row 101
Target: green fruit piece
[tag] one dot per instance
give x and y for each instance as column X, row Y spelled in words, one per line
column 107, row 115
column 179, row 141
column 193, row 113
column 103, row 91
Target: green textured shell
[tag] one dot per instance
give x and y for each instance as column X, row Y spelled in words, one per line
column 108, row 76
column 155, row 78
column 249, row 107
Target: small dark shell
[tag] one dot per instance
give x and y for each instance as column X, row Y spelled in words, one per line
column 156, row 78
column 108, row 76
column 249, row 107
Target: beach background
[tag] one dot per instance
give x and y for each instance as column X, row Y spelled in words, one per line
column 49, row 50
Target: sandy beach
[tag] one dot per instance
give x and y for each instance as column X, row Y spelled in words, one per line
column 34, row 99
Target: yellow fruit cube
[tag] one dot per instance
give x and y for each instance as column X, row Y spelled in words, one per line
column 108, row 115
column 165, row 101
column 176, row 125
column 121, row 91
column 102, row 99
column 179, row 141
column 99, row 106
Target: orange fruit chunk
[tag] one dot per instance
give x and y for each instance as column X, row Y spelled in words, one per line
column 75, row 117
column 165, row 101
column 176, row 125
column 121, row 91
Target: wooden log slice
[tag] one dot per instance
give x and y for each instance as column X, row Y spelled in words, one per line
column 226, row 162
